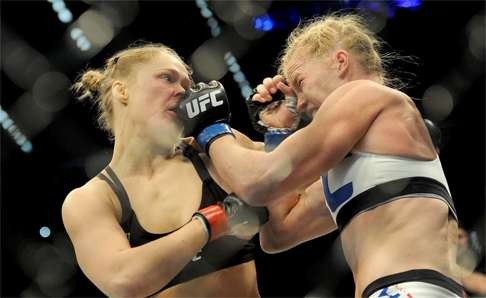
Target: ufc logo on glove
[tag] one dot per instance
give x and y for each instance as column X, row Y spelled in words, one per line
column 198, row 105
column 203, row 105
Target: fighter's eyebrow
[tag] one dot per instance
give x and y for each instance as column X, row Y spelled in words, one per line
column 185, row 80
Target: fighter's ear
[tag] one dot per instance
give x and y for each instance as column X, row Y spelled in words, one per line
column 342, row 59
column 120, row 92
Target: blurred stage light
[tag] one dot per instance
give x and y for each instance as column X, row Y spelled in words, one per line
column 97, row 27
column 410, row 4
column 120, row 13
column 384, row 8
column 31, row 118
column 207, row 60
column 238, row 75
column 438, row 103
column 254, row 8
column 208, row 15
column 277, row 20
column 246, row 29
column 9, row 125
column 476, row 32
column 91, row 32
column 51, row 91
column 22, row 63
column 45, row 232
column 45, row 264
column 263, row 23
column 375, row 14
column 63, row 13
column 228, row 11
column 53, row 277
column 208, row 55
column 81, row 41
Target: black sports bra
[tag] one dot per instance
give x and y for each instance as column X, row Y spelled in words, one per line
column 224, row 252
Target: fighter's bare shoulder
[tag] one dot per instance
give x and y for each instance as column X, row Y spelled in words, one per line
column 91, row 195
column 365, row 90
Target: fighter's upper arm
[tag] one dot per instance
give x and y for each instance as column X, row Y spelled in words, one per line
column 338, row 125
column 90, row 220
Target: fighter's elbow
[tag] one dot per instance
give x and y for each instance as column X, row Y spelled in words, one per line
column 121, row 287
column 249, row 192
column 257, row 192
column 276, row 238
column 271, row 247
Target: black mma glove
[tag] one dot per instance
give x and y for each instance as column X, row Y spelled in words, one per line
column 205, row 113
column 272, row 135
column 232, row 216
column 255, row 109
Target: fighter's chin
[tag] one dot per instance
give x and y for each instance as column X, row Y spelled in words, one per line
column 169, row 135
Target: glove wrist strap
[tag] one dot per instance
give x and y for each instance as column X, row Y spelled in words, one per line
column 211, row 133
column 204, row 223
column 273, row 137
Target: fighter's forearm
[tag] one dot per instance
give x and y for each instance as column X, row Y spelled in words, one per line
column 252, row 175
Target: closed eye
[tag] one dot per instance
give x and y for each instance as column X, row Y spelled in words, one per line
column 297, row 83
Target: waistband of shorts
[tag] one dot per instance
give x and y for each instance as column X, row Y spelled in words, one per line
column 420, row 275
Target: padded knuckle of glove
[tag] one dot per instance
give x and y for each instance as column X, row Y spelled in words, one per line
column 255, row 108
column 202, row 105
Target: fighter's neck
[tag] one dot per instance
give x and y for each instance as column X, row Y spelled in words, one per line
column 138, row 157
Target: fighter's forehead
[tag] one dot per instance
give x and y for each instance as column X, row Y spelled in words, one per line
column 294, row 65
column 295, row 62
column 165, row 60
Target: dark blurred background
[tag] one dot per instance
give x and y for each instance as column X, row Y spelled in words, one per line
column 50, row 143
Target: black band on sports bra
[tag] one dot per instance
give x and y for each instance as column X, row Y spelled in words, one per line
column 382, row 193
column 215, row 190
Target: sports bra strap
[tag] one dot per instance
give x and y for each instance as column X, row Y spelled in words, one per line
column 121, row 194
column 214, row 189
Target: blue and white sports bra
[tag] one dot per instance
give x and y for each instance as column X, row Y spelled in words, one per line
column 363, row 181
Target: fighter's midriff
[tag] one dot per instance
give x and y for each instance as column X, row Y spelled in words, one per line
column 405, row 234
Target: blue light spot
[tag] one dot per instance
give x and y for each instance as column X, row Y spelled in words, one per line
column 258, row 23
column 408, row 3
column 263, row 23
column 45, row 232
column 268, row 25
